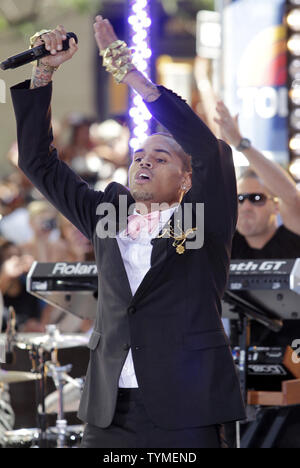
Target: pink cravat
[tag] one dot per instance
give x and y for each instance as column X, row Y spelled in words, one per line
column 136, row 223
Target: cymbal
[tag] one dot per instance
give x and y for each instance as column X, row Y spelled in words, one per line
column 16, row 376
column 47, row 342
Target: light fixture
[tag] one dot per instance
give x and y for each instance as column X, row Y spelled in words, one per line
column 295, row 119
column 293, row 56
column 208, row 34
column 293, row 19
column 139, row 23
column 294, row 144
column 294, row 92
column 293, row 44
column 294, row 69
column 295, row 168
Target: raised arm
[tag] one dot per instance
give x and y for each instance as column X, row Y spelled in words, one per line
column 213, row 178
column 37, row 156
column 274, row 177
column 189, row 135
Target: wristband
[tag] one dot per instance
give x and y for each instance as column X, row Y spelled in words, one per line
column 117, row 60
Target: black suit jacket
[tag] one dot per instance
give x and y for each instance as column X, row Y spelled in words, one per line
column 173, row 325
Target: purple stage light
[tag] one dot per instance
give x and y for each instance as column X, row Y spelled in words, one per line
column 139, row 22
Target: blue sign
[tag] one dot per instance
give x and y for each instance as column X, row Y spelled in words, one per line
column 255, row 72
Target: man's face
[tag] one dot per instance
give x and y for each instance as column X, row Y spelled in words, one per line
column 255, row 220
column 156, row 174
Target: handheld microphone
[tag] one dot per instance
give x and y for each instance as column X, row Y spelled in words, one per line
column 35, row 53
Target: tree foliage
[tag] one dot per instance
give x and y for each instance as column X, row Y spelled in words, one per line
column 23, row 20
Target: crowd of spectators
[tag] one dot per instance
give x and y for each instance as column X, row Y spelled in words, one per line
column 32, row 230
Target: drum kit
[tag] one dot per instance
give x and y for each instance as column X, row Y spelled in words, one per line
column 43, row 353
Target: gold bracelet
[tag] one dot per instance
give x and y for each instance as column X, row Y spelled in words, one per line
column 117, row 60
column 47, row 68
column 111, row 49
column 120, row 73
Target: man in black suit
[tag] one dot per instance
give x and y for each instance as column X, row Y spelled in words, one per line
column 161, row 372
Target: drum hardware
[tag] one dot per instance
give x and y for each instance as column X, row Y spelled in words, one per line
column 50, row 343
column 38, row 359
column 10, row 335
column 58, row 375
column 71, row 396
column 41, row 347
column 10, row 377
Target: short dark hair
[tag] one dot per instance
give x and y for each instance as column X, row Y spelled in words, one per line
column 185, row 158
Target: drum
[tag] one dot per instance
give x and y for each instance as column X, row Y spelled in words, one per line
column 21, row 438
column 29, row 438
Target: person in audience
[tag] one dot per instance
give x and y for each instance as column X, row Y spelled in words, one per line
column 80, row 145
column 79, row 141
column 77, row 247
column 14, row 213
column 13, row 268
column 278, row 184
column 45, row 245
column 111, row 140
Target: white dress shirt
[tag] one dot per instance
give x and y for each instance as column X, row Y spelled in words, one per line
column 136, row 255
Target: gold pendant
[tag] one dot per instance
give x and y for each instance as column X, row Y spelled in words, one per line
column 179, row 240
column 180, row 249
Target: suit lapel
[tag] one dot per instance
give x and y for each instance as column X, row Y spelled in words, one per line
column 113, row 225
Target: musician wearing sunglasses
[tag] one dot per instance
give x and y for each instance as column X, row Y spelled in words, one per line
column 264, row 192
column 275, row 180
column 257, row 199
column 259, row 234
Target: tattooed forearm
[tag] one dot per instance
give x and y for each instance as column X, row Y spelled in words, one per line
column 142, row 86
column 41, row 76
column 153, row 92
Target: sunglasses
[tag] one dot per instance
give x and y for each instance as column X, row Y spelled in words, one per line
column 258, row 199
